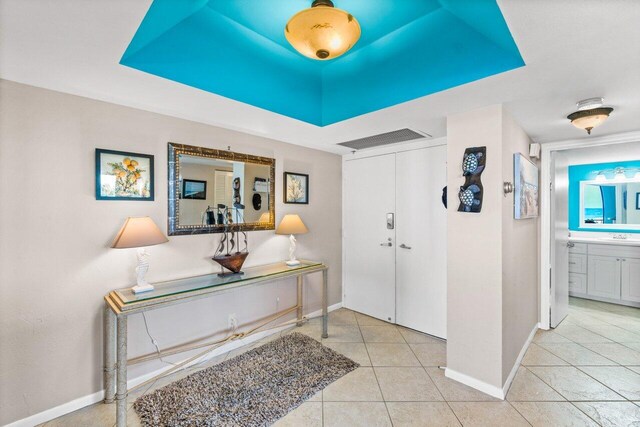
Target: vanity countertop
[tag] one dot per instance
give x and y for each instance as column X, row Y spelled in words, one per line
column 605, row 240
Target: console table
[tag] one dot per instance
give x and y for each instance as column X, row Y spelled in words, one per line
column 120, row 303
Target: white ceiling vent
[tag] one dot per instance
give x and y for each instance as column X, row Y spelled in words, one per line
column 387, row 138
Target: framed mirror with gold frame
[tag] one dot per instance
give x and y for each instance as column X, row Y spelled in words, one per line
column 213, row 191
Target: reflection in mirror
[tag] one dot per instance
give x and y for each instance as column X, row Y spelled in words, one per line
column 606, row 204
column 211, row 190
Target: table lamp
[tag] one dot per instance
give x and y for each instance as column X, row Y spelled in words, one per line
column 292, row 224
column 139, row 232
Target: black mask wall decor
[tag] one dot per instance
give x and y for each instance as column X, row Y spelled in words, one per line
column 257, row 201
column 237, row 199
column 471, row 192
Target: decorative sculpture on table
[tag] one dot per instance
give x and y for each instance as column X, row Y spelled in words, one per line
column 225, row 255
column 471, row 192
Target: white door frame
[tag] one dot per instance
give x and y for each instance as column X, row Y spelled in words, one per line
column 545, row 206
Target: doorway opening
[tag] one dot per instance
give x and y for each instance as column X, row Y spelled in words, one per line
column 590, row 240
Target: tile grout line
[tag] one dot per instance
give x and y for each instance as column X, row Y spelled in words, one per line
column 375, row 375
column 431, row 379
column 586, row 348
column 519, row 413
column 603, row 384
column 587, row 415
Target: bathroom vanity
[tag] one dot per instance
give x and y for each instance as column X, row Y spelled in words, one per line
column 605, row 269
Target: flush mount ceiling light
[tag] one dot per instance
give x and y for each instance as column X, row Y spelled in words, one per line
column 590, row 114
column 322, row 31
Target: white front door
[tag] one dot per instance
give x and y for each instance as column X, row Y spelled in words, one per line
column 369, row 236
column 559, row 238
column 421, row 236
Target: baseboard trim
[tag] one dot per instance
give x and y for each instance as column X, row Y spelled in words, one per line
column 482, row 386
column 491, row 390
column 514, row 369
column 81, row 402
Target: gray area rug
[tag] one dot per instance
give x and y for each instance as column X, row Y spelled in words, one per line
column 255, row 388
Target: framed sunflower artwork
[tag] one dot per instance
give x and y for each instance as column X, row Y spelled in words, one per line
column 123, row 176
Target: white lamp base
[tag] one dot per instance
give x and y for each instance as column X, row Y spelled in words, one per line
column 138, row 289
column 292, row 252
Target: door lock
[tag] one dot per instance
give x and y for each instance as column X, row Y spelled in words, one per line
column 390, row 221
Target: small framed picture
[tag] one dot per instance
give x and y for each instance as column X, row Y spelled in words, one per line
column 123, row 176
column 296, row 188
column 193, row 189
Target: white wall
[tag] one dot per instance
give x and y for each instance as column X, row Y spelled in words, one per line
column 491, row 258
column 55, row 263
column 604, row 154
column 519, row 256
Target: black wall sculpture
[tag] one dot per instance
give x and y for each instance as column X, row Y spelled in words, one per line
column 471, row 192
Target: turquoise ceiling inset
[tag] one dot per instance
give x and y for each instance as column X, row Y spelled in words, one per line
column 408, row 49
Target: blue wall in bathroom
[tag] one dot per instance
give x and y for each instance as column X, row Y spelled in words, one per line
column 588, row 172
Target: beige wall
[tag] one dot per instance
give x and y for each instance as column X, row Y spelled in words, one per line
column 519, row 257
column 191, row 210
column 474, row 251
column 251, row 172
column 492, row 259
column 55, row 263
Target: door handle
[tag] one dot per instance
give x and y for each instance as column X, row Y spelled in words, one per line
column 403, row 246
column 386, row 244
column 571, row 245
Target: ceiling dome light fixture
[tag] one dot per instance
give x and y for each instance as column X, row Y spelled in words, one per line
column 590, row 114
column 322, row 31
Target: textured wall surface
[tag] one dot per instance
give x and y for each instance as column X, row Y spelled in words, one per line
column 492, row 259
column 55, row 263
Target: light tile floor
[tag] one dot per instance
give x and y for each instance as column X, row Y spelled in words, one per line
column 586, row 372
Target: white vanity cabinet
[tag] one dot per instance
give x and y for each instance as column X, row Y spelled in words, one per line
column 605, row 272
column 630, row 280
column 578, row 268
column 604, row 276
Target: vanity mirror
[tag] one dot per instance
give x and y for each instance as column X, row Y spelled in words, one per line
column 211, row 191
column 610, row 204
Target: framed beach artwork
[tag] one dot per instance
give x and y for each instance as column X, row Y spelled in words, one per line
column 525, row 187
column 296, row 188
column 123, row 176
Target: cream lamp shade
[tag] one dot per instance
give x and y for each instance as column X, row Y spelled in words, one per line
column 322, row 31
column 138, row 232
column 291, row 224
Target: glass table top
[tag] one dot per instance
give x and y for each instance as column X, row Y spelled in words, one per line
column 188, row 284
